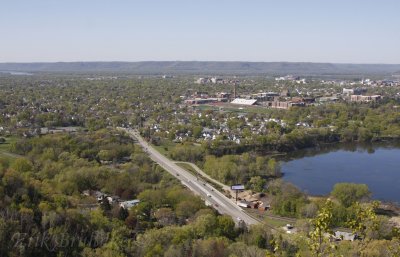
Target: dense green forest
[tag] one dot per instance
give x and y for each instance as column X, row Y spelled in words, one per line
column 45, row 213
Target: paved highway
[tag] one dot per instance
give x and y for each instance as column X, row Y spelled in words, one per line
column 205, row 175
column 211, row 196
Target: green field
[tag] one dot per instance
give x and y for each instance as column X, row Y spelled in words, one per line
column 6, row 146
column 165, row 147
column 276, row 222
column 188, row 168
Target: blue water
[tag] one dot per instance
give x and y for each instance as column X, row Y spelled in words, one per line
column 379, row 168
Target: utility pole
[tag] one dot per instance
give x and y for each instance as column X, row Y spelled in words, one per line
column 236, row 195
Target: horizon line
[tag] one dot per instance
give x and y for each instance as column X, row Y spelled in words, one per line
column 119, row 61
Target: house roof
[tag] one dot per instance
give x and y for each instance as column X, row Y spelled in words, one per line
column 129, row 204
column 345, row 235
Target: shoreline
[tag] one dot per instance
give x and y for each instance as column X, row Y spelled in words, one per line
column 369, row 148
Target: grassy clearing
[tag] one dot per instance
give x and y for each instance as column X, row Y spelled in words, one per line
column 6, row 146
column 165, row 147
column 8, row 155
column 274, row 222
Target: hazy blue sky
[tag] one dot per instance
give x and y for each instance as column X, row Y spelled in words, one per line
column 350, row 31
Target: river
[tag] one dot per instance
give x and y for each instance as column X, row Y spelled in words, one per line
column 316, row 171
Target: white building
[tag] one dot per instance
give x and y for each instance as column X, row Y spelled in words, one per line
column 243, row 101
column 129, row 204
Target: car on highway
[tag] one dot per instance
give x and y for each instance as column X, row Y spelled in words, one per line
column 208, row 195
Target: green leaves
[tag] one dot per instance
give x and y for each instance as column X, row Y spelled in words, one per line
column 319, row 237
column 364, row 218
column 349, row 193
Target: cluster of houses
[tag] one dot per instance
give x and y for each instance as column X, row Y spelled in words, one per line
column 363, row 82
column 209, row 134
column 336, row 236
column 112, row 199
column 215, row 80
column 216, row 125
column 221, row 128
column 24, row 115
column 292, row 78
column 102, row 78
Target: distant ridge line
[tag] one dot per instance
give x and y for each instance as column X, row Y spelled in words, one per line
column 205, row 67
